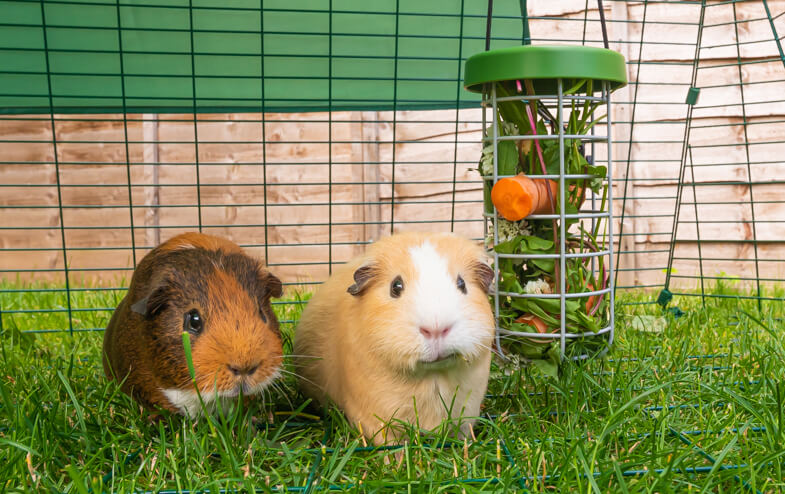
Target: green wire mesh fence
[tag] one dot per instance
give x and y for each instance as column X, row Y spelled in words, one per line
column 303, row 130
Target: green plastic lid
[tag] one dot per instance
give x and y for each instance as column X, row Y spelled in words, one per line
column 543, row 65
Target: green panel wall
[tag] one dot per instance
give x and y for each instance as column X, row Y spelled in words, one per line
column 293, row 55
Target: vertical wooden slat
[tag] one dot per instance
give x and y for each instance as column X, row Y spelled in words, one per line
column 151, row 172
column 371, row 176
column 624, row 176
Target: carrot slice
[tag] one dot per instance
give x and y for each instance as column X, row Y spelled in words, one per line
column 520, row 196
column 539, row 325
column 533, row 321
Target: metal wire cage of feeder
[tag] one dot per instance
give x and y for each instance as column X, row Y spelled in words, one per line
column 552, row 82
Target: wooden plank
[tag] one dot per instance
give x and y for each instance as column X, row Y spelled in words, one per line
column 621, row 150
column 370, row 176
column 151, row 175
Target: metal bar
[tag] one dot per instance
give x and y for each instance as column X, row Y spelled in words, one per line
column 125, row 133
column 495, row 142
column 697, row 225
column 687, row 124
column 747, row 154
column 611, row 266
column 774, row 31
column 562, row 227
column 458, row 92
column 57, row 171
column 330, row 140
column 632, row 134
column 196, row 126
column 262, row 77
column 395, row 118
column 555, row 295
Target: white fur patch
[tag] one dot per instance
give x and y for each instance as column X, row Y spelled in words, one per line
column 187, row 400
column 439, row 304
column 436, row 295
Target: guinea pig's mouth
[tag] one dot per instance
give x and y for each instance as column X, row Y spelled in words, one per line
column 243, row 387
column 441, row 362
column 249, row 387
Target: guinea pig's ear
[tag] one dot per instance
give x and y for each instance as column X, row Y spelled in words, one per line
column 271, row 285
column 152, row 305
column 362, row 277
column 483, row 274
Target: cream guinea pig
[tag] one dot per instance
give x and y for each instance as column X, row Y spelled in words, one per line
column 208, row 287
column 407, row 324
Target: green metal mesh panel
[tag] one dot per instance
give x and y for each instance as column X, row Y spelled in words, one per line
column 729, row 215
column 290, row 56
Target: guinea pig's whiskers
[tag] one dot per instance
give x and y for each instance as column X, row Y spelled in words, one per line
column 483, row 345
column 281, row 392
column 301, row 377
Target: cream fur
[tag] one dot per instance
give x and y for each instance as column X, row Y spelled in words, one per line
column 371, row 359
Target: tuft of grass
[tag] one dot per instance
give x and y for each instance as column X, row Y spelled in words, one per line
column 692, row 403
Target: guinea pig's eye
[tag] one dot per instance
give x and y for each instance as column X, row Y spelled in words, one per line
column 396, row 287
column 193, row 322
column 461, row 285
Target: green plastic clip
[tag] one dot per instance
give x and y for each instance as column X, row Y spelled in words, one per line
column 665, row 297
column 692, row 95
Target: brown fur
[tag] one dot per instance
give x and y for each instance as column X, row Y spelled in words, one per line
column 229, row 289
column 364, row 343
column 193, row 240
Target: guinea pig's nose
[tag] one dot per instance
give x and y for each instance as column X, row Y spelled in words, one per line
column 434, row 332
column 243, row 370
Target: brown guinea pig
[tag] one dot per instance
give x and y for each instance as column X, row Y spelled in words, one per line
column 205, row 286
column 401, row 332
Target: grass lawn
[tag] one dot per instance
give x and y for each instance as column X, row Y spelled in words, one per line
column 696, row 405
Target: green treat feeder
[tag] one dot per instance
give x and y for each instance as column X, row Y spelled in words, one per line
column 554, row 276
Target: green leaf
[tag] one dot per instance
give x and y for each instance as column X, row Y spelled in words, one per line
column 512, row 111
column 600, row 172
column 509, row 282
column 546, row 265
column 578, row 84
column 550, row 153
column 554, row 353
column 583, row 320
column 547, row 367
column 508, row 247
column 577, row 162
column 536, row 243
column 553, row 305
column 486, row 197
column 527, row 305
column 541, row 130
column 508, row 158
